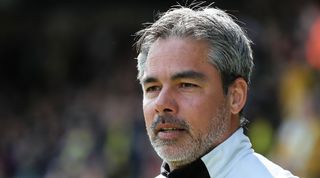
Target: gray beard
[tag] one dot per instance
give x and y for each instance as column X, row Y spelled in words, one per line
column 197, row 145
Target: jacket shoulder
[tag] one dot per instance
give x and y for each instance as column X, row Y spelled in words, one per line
column 255, row 164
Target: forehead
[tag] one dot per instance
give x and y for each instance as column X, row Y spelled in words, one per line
column 172, row 54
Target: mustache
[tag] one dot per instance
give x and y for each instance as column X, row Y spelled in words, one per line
column 167, row 119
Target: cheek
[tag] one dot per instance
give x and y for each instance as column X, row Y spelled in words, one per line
column 147, row 112
column 200, row 112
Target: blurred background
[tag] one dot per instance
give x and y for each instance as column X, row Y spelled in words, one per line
column 70, row 104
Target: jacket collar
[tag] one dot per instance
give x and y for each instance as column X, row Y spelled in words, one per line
column 221, row 159
column 217, row 162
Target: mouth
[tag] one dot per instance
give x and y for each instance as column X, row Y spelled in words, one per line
column 169, row 131
column 169, row 128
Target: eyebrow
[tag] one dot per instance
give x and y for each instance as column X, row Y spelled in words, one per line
column 149, row 80
column 189, row 74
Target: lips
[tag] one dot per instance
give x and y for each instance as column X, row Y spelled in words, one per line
column 168, row 128
column 169, row 131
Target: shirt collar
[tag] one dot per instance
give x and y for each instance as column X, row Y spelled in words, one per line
column 195, row 169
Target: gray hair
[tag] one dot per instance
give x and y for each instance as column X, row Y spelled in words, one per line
column 229, row 47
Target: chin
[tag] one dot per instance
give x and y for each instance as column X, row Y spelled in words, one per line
column 177, row 155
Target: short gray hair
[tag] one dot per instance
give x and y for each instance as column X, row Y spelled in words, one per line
column 229, row 47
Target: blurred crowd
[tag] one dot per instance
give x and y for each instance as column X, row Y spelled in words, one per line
column 70, row 104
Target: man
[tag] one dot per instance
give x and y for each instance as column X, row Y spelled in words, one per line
column 194, row 67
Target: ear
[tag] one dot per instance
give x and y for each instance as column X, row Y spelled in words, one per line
column 237, row 92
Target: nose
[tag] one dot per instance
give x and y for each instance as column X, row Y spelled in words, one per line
column 166, row 103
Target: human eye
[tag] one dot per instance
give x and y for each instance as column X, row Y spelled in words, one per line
column 151, row 89
column 186, row 85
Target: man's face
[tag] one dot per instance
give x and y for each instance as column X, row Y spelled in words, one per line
column 185, row 110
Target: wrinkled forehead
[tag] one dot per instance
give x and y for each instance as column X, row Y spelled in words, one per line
column 172, row 56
